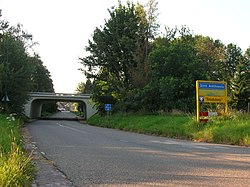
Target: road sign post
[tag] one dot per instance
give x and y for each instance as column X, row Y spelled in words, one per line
column 210, row 92
column 108, row 108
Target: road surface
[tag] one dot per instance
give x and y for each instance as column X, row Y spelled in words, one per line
column 92, row 156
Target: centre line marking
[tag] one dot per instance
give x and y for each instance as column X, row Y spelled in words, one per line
column 73, row 129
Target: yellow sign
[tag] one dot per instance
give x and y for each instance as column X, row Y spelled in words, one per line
column 212, row 99
column 207, row 92
column 210, row 92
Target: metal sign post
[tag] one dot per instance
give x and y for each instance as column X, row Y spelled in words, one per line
column 108, row 108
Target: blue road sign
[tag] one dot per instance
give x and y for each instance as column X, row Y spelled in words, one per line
column 212, row 86
column 108, row 107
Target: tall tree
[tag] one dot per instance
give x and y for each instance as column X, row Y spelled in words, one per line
column 88, row 87
column 113, row 50
column 80, row 88
column 175, row 68
column 240, row 83
column 41, row 78
column 42, row 82
column 229, row 71
column 84, row 88
column 17, row 70
column 212, row 55
column 148, row 27
column 152, row 16
column 233, row 58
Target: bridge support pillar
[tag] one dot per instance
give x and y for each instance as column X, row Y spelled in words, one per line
column 36, row 109
column 90, row 110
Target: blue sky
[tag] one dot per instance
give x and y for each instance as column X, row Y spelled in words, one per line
column 62, row 27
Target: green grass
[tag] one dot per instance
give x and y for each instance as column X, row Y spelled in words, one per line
column 16, row 168
column 231, row 129
column 9, row 131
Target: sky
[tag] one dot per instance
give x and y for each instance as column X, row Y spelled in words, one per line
column 63, row 27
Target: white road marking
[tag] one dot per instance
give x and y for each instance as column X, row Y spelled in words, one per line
column 165, row 142
column 194, row 147
column 73, row 129
column 179, row 143
column 220, row 147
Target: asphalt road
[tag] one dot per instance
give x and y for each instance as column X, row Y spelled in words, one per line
column 92, row 156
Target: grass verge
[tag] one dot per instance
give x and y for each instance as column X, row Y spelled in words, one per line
column 16, row 168
column 232, row 129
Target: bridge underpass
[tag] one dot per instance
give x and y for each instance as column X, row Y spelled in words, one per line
column 33, row 108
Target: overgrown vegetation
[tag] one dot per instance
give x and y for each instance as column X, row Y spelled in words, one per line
column 231, row 129
column 20, row 71
column 136, row 69
column 16, row 168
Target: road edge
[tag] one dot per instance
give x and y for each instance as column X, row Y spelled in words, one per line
column 47, row 173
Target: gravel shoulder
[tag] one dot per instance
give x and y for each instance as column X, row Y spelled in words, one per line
column 47, row 174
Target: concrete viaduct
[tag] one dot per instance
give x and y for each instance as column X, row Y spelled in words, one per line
column 33, row 107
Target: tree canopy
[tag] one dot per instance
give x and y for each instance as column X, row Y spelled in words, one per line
column 136, row 69
column 129, row 64
column 20, row 73
column 114, row 51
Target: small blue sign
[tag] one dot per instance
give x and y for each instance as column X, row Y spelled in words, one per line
column 108, row 107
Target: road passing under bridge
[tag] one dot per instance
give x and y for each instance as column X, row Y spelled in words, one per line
column 33, row 107
column 92, row 156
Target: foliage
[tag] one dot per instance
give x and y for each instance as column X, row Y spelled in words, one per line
column 20, row 73
column 115, row 50
column 84, row 88
column 211, row 54
column 80, row 88
column 17, row 70
column 175, row 67
column 8, row 131
column 169, row 126
column 136, row 69
column 113, row 45
column 152, row 15
column 241, row 83
column 232, row 129
column 41, row 82
column 16, row 168
column 40, row 76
